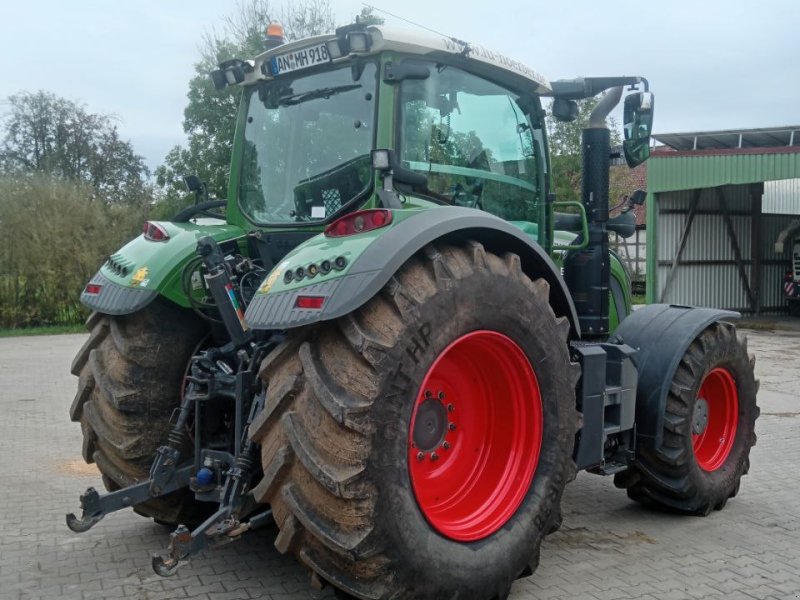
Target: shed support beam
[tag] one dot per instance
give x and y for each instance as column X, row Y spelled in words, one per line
column 682, row 244
column 756, row 194
column 735, row 244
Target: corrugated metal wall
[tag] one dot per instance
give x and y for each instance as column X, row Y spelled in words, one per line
column 671, row 181
column 782, row 197
column 684, row 171
column 715, row 285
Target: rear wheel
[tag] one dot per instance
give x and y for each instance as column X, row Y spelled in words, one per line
column 418, row 448
column 131, row 372
column 709, row 428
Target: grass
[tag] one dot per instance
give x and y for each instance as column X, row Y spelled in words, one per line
column 638, row 299
column 48, row 330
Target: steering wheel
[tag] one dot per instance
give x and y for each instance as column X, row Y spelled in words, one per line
column 203, row 209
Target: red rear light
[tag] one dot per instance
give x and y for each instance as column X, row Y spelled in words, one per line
column 93, row 288
column 359, row 222
column 312, row 302
column 154, row 232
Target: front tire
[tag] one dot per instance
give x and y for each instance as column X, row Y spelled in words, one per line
column 130, row 374
column 709, row 428
column 340, row 450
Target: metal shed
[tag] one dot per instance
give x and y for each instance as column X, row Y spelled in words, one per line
column 714, row 215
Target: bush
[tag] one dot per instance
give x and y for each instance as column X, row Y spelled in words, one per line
column 53, row 238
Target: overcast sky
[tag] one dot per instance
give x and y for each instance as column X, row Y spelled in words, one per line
column 712, row 64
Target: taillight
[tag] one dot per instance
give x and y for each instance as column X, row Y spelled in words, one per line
column 359, row 222
column 93, row 288
column 154, row 232
column 312, row 302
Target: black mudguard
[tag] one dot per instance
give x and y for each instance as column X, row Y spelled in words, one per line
column 373, row 269
column 661, row 334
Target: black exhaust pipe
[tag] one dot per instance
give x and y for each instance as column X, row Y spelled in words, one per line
column 587, row 272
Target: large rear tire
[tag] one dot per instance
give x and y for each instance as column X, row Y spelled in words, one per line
column 130, row 374
column 709, row 428
column 357, row 408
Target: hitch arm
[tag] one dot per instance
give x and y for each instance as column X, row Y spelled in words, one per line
column 224, row 525
column 220, row 528
column 96, row 506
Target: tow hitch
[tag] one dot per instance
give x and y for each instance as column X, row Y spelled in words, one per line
column 222, row 384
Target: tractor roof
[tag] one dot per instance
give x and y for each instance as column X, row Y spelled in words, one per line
column 416, row 42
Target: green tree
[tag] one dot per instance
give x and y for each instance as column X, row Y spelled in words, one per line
column 210, row 116
column 53, row 238
column 45, row 134
column 565, row 149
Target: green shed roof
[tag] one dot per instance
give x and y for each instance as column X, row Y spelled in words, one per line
column 669, row 170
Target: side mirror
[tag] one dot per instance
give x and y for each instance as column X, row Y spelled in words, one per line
column 192, row 183
column 195, row 185
column 638, row 124
column 565, row 110
column 638, row 197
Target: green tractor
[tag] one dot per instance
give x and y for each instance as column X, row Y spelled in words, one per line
column 396, row 346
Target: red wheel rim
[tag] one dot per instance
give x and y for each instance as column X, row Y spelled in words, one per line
column 716, row 416
column 475, row 436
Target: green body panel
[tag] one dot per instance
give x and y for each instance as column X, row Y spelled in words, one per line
column 321, row 248
column 618, row 272
column 164, row 261
column 621, row 274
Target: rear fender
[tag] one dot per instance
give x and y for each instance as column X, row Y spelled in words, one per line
column 141, row 270
column 374, row 257
column 661, row 334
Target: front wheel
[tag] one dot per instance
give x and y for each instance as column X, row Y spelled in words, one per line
column 419, row 447
column 709, row 428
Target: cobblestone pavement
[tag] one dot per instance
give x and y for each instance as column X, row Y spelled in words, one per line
column 608, row 548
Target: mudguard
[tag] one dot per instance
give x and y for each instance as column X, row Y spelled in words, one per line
column 661, row 334
column 373, row 257
column 142, row 270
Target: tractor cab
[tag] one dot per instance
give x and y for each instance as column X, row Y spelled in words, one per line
column 464, row 127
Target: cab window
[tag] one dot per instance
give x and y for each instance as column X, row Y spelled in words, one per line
column 474, row 142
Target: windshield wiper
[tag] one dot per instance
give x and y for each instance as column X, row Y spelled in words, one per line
column 292, row 99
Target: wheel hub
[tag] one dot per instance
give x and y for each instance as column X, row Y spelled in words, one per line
column 715, row 419
column 475, row 436
column 700, row 416
column 431, row 424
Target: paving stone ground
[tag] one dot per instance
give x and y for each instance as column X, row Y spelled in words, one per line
column 608, row 548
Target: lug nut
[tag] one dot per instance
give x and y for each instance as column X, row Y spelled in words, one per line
column 428, row 394
column 450, row 408
column 452, row 426
column 446, row 445
column 420, row 456
column 434, row 456
column 441, row 395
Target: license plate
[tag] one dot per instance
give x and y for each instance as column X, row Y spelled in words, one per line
column 299, row 59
